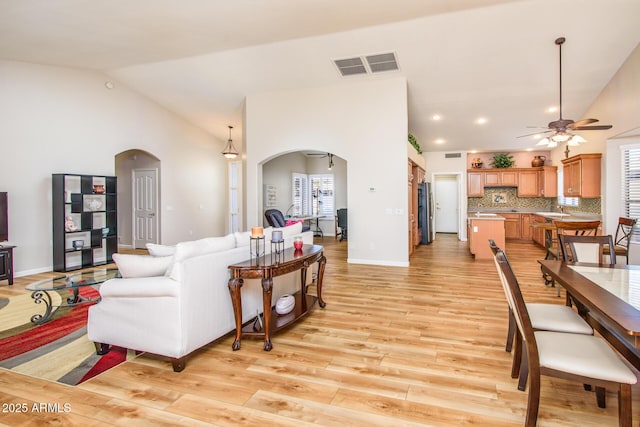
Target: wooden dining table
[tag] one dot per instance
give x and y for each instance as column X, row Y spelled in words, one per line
column 608, row 297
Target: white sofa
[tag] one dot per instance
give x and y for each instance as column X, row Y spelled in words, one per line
column 172, row 305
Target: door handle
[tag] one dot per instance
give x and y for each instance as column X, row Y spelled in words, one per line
column 152, row 214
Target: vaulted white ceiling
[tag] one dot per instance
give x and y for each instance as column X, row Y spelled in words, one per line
column 463, row 59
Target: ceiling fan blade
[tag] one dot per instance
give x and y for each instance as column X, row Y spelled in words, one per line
column 582, row 123
column 537, row 133
column 596, row 127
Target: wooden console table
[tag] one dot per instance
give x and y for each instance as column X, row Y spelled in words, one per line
column 266, row 268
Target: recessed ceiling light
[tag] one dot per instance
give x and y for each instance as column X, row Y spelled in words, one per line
column 473, row 151
column 529, row 149
column 436, row 117
column 109, row 85
column 439, row 141
column 537, row 136
column 553, row 109
column 481, row 120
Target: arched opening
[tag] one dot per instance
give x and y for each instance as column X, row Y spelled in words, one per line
column 139, row 219
column 307, row 184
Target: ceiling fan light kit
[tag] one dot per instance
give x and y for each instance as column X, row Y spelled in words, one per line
column 562, row 128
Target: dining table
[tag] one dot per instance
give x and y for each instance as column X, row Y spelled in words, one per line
column 608, row 297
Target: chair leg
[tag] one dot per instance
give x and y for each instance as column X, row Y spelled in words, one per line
column 523, row 375
column 510, row 332
column 601, row 397
column 533, row 402
column 624, row 405
column 517, row 356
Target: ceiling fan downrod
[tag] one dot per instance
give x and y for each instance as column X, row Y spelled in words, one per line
column 559, row 42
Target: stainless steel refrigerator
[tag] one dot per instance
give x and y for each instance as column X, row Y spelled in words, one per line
column 425, row 212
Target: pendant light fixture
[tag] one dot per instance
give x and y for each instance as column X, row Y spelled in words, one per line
column 330, row 161
column 230, row 151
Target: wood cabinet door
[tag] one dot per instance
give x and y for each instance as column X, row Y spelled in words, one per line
column 525, row 226
column 512, row 226
column 492, row 179
column 548, row 181
column 528, row 184
column 475, row 184
column 509, row 178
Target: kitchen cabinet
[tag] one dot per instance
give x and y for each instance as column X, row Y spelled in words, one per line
column 531, row 182
column 496, row 178
column 512, row 228
column 415, row 176
column 538, row 234
column 525, row 226
column 475, row 184
column 581, row 175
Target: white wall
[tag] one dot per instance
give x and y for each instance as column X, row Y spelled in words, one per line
column 61, row 120
column 365, row 123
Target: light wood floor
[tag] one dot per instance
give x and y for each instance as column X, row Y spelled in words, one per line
column 395, row 346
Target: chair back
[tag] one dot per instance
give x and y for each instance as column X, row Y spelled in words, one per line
column 577, row 228
column 275, row 218
column 587, row 248
column 495, row 249
column 519, row 308
column 342, row 217
column 623, row 232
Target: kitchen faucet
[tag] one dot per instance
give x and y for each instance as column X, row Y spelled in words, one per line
column 561, row 208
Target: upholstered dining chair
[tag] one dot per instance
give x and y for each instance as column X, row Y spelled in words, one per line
column 622, row 239
column 587, row 248
column 586, row 359
column 341, row 219
column 577, row 228
column 544, row 317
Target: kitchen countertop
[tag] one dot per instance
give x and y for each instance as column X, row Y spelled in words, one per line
column 569, row 216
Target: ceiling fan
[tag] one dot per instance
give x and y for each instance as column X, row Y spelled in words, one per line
column 561, row 128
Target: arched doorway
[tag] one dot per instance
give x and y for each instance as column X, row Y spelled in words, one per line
column 139, row 216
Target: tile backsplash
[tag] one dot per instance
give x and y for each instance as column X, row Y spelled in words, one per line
column 507, row 198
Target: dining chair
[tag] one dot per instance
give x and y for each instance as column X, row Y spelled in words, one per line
column 577, row 228
column 587, row 248
column 544, row 317
column 587, row 359
column 622, row 239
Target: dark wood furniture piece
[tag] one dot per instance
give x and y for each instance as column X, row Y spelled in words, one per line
column 266, row 268
column 6, row 263
column 614, row 317
column 91, row 203
column 622, row 239
column 551, row 353
column 570, row 248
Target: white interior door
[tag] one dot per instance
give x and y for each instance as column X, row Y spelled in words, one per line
column 145, row 207
column 446, row 203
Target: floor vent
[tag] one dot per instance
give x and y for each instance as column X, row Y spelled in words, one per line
column 452, row 155
column 368, row 64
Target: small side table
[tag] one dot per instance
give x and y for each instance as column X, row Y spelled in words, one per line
column 6, row 263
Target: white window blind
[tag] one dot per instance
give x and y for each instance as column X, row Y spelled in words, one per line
column 299, row 194
column 322, row 193
column 631, row 185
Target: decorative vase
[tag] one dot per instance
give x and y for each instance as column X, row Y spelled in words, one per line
column 538, row 161
column 297, row 243
column 98, row 189
column 285, row 304
column 476, row 163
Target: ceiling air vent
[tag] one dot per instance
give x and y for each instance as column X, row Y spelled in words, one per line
column 452, row 155
column 382, row 62
column 350, row 66
column 367, row 64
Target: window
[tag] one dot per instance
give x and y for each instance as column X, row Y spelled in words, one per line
column 299, row 194
column 312, row 194
column 631, row 185
column 564, row 201
column 322, row 202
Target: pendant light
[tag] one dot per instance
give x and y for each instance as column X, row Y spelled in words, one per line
column 230, row 151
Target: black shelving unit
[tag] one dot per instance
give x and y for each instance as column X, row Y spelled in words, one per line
column 90, row 201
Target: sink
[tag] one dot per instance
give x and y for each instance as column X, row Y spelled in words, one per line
column 552, row 214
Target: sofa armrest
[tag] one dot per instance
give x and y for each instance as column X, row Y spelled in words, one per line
column 140, row 287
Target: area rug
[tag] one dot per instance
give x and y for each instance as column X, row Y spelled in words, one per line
column 58, row 350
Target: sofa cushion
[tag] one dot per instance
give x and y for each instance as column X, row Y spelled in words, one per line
column 131, row 265
column 291, row 230
column 160, row 250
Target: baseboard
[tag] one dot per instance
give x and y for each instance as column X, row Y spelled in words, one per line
column 23, row 273
column 378, row 262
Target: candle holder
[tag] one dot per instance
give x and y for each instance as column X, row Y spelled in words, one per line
column 256, row 247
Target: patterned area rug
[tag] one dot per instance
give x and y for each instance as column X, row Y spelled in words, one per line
column 58, row 350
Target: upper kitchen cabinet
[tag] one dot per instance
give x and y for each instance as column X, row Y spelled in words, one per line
column 581, row 175
column 475, row 184
column 498, row 178
column 538, row 182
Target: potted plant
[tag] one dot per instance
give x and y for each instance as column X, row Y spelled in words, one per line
column 414, row 143
column 502, row 160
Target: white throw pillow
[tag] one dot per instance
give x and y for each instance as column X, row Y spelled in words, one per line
column 131, row 265
column 291, row 230
column 160, row 250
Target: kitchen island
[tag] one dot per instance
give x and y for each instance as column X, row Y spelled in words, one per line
column 480, row 228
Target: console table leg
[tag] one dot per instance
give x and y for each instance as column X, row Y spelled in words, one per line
column 321, row 263
column 267, row 287
column 236, row 298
